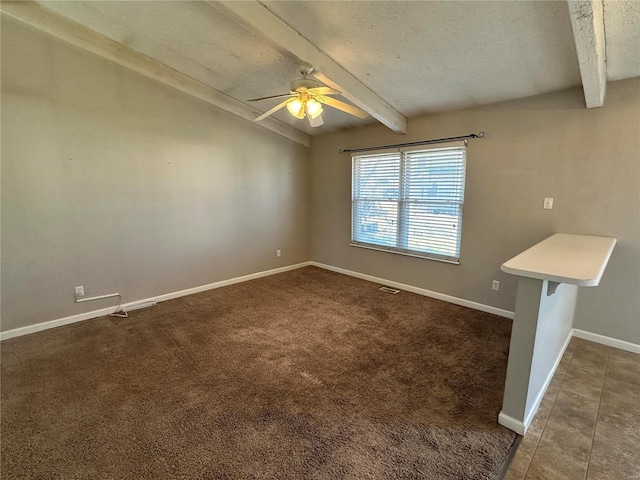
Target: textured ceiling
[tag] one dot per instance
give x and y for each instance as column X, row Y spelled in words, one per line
column 420, row 57
column 190, row 37
column 202, row 42
column 431, row 56
column 622, row 32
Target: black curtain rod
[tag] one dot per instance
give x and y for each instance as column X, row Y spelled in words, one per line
column 412, row 144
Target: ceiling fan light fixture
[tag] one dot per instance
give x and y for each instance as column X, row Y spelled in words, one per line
column 314, row 108
column 306, row 98
column 296, row 108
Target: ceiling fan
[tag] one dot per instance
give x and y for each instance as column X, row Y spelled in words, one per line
column 306, row 97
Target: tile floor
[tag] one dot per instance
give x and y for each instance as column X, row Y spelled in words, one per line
column 588, row 424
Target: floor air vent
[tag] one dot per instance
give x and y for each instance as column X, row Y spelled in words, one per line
column 389, row 290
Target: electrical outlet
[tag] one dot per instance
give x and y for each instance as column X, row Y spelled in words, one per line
column 80, row 291
column 278, row 253
column 495, row 285
column 548, row 203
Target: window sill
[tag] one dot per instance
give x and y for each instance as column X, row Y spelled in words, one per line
column 406, row 254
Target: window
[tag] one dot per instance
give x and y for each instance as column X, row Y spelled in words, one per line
column 409, row 201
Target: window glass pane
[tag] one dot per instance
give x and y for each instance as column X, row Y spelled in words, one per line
column 435, row 175
column 375, row 222
column 433, row 228
column 377, row 176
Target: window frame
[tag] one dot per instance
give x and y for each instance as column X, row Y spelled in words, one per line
column 403, row 202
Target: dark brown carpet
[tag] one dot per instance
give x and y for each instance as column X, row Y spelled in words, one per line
column 304, row 375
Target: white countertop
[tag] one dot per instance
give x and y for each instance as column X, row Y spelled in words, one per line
column 563, row 258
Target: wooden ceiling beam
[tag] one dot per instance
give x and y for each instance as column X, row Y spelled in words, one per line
column 587, row 21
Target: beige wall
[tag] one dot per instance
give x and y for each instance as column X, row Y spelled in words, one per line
column 118, row 183
column 544, row 146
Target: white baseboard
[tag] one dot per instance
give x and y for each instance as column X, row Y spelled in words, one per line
column 18, row 332
column 610, row 342
column 225, row 283
column 511, row 423
column 38, row 327
column 420, row 291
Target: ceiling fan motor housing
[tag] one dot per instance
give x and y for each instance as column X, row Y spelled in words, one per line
column 304, row 84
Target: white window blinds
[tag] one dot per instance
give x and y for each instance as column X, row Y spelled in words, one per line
column 410, row 201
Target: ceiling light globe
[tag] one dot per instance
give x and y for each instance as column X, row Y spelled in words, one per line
column 295, row 108
column 314, row 108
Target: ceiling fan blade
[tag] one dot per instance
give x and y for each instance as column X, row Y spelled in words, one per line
column 273, row 110
column 345, row 107
column 324, row 91
column 315, row 122
column 272, row 96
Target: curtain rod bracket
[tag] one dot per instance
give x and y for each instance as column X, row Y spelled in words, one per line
column 412, row 144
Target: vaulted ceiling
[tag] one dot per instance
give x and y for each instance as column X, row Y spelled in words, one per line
column 395, row 59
